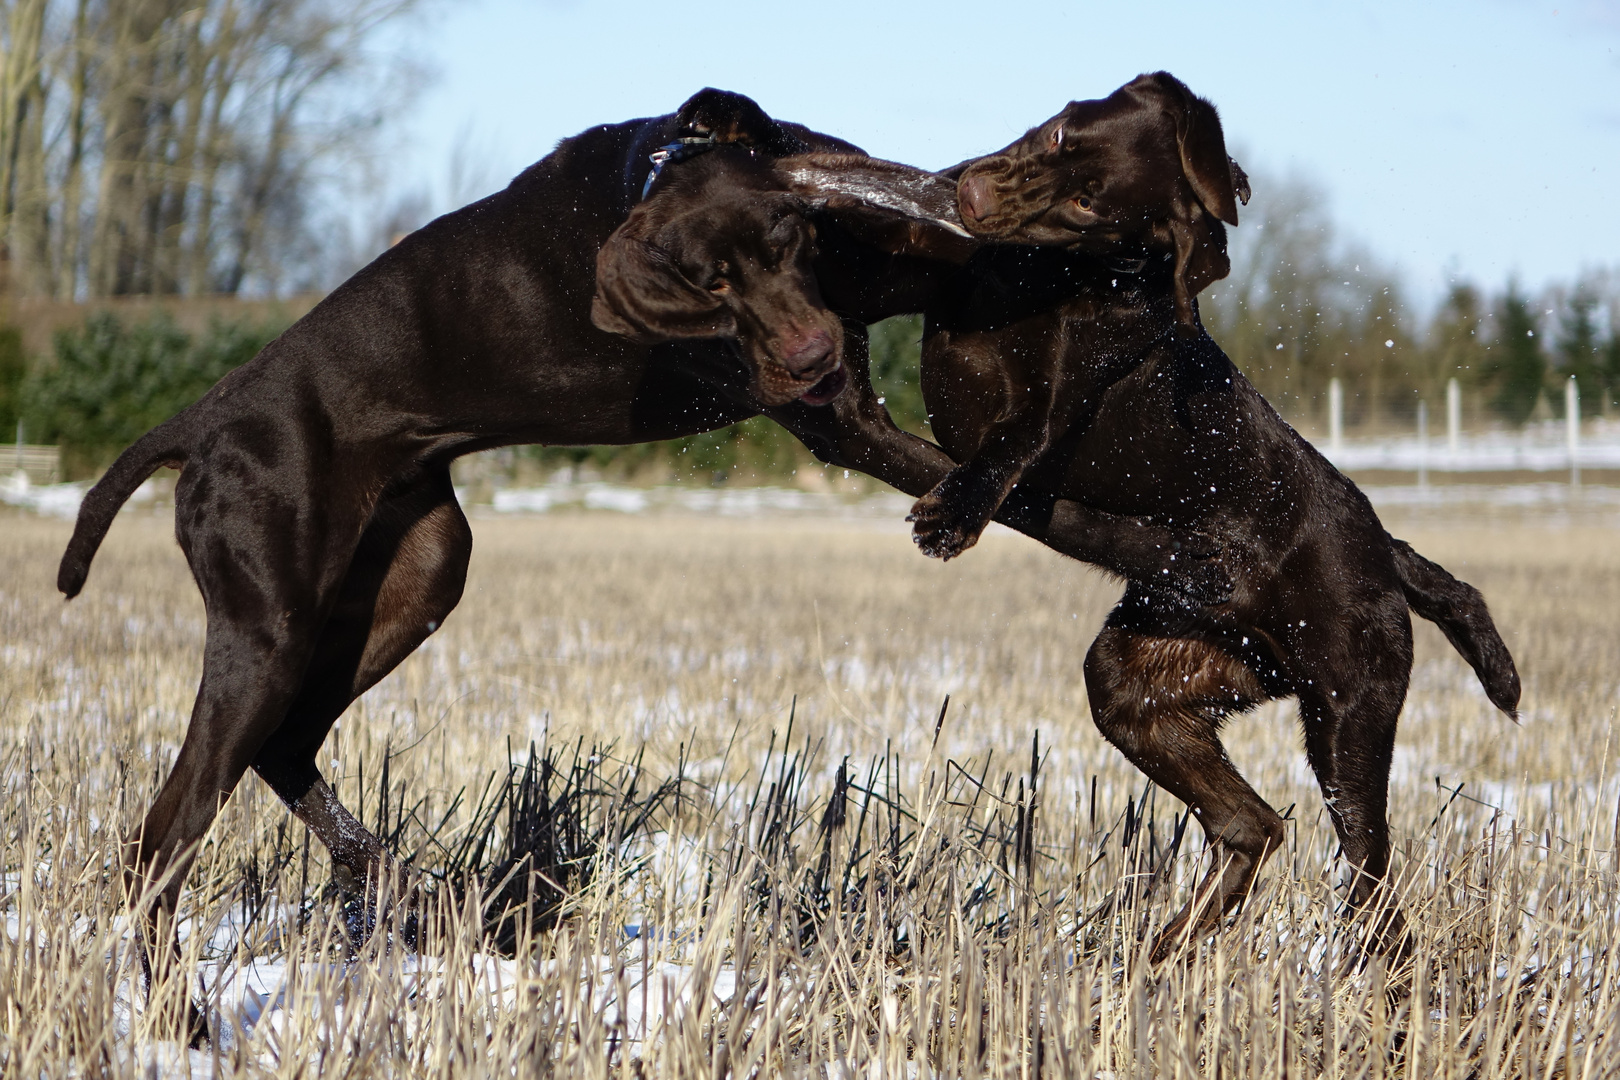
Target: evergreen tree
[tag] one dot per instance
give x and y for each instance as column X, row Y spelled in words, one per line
column 112, row 382
column 897, row 371
column 1611, row 367
column 1578, row 350
column 1518, row 369
column 1457, row 336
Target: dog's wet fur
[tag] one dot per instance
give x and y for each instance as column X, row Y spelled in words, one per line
column 314, row 503
column 1112, row 393
column 1064, row 359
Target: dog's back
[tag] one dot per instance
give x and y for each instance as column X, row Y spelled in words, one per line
column 390, row 366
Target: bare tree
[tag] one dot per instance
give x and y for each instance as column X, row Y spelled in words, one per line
column 22, row 107
column 172, row 146
column 1302, row 306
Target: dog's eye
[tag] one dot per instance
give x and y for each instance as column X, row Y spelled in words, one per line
column 1057, row 137
column 719, row 285
column 1083, row 202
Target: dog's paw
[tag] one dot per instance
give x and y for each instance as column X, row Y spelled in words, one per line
column 938, row 531
column 949, row 520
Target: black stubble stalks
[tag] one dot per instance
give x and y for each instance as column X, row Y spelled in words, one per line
column 563, row 820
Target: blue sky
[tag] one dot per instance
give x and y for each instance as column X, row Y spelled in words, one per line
column 1478, row 138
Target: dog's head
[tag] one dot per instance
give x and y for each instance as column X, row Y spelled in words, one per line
column 1142, row 171
column 723, row 247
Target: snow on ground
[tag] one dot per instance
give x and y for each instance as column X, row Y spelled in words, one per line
column 52, row 500
column 724, row 502
column 255, row 1003
column 1542, row 497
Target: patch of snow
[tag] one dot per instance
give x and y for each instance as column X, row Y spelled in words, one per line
column 53, row 500
column 742, row 502
column 624, row 500
column 59, row 500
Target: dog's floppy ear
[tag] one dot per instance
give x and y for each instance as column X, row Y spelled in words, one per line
column 729, row 117
column 895, row 207
column 1216, row 180
column 1240, row 181
column 1204, row 161
column 1201, row 260
column 641, row 294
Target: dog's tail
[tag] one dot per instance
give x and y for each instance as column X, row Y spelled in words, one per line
column 163, row 445
column 1460, row 612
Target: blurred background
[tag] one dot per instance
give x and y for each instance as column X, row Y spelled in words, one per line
column 1432, row 223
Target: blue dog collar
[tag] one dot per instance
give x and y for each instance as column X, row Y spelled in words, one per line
column 679, row 150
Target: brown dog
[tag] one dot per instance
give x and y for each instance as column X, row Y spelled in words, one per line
column 314, row 503
column 1114, row 395
column 1086, row 375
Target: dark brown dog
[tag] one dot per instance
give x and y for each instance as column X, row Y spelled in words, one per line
column 314, row 503
column 1113, row 395
column 1138, row 412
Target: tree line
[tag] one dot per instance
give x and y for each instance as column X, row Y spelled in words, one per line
column 109, row 380
column 1302, row 307
column 168, row 147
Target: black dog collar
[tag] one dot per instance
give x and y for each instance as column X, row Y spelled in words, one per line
column 679, row 150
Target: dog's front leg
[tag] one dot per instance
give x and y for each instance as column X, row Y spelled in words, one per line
column 950, row 518
column 856, row 432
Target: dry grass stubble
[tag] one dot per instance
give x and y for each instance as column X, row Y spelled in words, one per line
column 924, row 925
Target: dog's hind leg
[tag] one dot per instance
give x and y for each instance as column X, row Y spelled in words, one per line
column 1349, row 708
column 407, row 575
column 267, row 552
column 1160, row 700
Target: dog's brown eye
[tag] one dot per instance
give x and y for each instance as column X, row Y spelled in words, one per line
column 720, row 285
column 1057, row 138
column 1083, row 202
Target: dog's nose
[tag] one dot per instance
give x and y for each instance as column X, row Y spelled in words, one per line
column 977, row 196
column 808, row 355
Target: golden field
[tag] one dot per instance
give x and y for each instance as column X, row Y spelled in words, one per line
column 961, row 916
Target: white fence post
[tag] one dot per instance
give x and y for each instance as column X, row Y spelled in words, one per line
column 1335, row 415
column 1572, row 428
column 1453, row 418
column 1423, row 444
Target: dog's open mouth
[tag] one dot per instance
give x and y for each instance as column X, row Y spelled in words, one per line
column 830, row 386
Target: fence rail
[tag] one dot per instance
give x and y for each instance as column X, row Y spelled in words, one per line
column 41, row 464
column 1537, row 447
